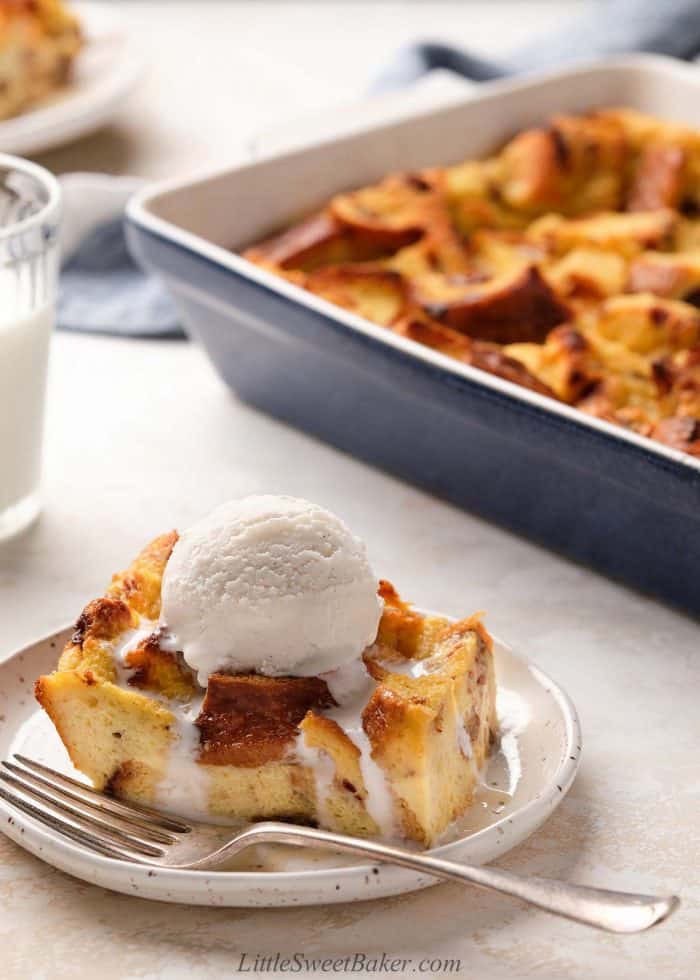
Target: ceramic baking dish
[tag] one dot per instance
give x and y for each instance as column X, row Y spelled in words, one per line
column 617, row 501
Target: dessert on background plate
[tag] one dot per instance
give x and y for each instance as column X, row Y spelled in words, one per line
column 253, row 667
column 39, row 41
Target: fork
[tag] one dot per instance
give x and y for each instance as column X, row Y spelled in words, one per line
column 141, row 835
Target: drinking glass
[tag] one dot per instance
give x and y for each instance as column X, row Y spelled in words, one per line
column 30, row 208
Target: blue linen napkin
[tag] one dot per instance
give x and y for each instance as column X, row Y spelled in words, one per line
column 103, row 290
column 670, row 27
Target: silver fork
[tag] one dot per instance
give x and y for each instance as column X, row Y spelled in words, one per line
column 141, row 835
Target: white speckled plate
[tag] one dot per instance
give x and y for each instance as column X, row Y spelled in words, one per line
column 524, row 782
column 106, row 70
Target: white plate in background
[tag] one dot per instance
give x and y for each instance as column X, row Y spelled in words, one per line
column 106, row 70
column 524, row 782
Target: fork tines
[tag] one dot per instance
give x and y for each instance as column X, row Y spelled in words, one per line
column 110, row 827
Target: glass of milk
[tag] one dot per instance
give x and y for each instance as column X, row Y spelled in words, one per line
column 30, row 205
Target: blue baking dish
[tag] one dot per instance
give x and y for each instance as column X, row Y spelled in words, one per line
column 619, row 502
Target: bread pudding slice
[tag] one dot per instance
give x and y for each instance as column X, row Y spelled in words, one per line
column 399, row 759
column 39, row 40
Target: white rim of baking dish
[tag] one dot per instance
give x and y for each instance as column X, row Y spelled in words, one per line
column 139, row 214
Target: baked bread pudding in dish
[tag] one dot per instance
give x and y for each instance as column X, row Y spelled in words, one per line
column 253, row 667
column 567, row 262
column 39, row 40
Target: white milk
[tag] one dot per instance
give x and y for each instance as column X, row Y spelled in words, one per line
column 24, row 347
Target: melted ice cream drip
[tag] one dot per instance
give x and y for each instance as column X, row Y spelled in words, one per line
column 464, row 740
column 412, row 668
column 184, row 786
column 514, row 715
column 184, row 789
column 323, row 770
column 128, row 642
column 166, row 641
column 351, row 687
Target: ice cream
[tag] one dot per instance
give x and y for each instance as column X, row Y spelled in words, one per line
column 273, row 585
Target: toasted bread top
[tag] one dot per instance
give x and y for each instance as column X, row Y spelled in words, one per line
column 585, row 227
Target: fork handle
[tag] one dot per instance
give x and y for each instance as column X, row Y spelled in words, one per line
column 609, row 910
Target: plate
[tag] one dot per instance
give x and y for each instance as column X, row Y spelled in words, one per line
column 523, row 783
column 106, row 70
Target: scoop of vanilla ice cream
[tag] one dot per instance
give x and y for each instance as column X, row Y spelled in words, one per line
column 273, row 585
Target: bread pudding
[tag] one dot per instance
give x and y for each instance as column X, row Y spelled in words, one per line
column 39, row 40
column 567, row 262
column 157, row 700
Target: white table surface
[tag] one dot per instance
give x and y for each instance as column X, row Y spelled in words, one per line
column 143, row 437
